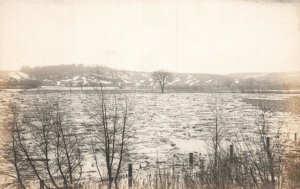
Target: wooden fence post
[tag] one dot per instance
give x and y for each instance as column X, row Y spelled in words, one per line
column 191, row 160
column 202, row 167
column 231, row 153
column 42, row 184
column 268, row 142
column 130, row 175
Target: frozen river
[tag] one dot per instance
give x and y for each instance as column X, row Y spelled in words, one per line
column 173, row 123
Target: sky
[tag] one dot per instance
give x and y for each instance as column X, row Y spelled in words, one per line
column 191, row 36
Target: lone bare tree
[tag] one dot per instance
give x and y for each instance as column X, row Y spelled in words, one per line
column 162, row 78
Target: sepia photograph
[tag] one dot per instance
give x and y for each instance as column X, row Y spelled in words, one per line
column 149, row 94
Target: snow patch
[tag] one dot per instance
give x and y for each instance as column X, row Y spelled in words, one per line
column 189, row 76
column 194, row 82
column 104, row 82
column 125, row 81
column 76, row 77
column 18, row 75
column 84, row 80
column 174, row 81
column 103, row 76
column 188, row 81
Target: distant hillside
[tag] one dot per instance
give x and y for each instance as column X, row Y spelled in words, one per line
column 91, row 76
column 12, row 79
column 11, row 75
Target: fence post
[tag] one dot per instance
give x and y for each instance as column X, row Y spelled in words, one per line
column 191, row 160
column 231, row 153
column 130, row 175
column 202, row 167
column 268, row 142
column 42, row 184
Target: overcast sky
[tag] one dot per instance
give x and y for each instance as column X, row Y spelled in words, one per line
column 205, row 36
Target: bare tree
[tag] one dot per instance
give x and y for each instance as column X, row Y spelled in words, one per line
column 111, row 133
column 261, row 154
column 217, row 165
column 271, row 150
column 44, row 148
column 292, row 164
column 55, row 148
column 11, row 153
column 162, row 78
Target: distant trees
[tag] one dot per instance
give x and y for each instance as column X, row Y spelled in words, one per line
column 59, row 72
column 30, row 83
column 55, row 72
column 23, row 84
column 162, row 78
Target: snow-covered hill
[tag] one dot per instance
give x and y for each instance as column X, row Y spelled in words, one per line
column 13, row 75
column 181, row 81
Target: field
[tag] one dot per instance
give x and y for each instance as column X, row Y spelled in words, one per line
column 169, row 126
